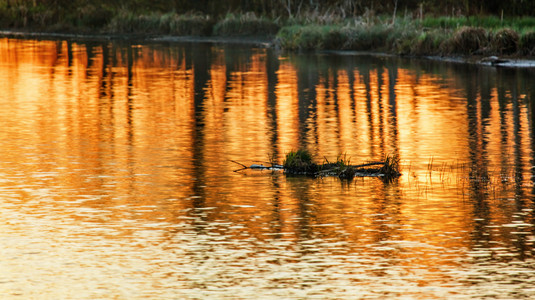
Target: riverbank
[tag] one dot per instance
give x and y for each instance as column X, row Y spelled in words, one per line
column 487, row 40
column 509, row 61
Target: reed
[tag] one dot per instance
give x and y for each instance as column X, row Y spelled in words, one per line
column 390, row 168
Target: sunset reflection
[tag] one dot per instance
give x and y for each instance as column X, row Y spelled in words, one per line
column 148, row 133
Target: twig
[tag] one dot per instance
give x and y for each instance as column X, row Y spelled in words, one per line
column 369, row 164
column 244, row 166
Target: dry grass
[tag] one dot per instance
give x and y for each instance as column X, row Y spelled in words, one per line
column 467, row 40
column 505, row 41
column 245, row 25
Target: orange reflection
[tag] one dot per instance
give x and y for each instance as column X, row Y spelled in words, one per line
column 148, row 132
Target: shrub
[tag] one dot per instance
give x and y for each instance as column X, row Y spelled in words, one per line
column 505, row 41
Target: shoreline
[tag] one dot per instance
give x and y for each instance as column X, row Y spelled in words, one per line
column 264, row 42
column 249, row 40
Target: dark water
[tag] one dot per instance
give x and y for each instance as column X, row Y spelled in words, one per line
column 116, row 180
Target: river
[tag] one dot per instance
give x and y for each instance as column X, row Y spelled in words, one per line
column 117, row 178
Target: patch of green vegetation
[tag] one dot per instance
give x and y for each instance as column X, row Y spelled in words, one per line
column 426, row 43
column 300, row 162
column 364, row 37
column 311, row 37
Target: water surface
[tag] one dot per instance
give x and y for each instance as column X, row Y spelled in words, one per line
column 117, row 180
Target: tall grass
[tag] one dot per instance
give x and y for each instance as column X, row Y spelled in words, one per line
column 311, row 37
column 409, row 37
column 244, row 25
column 487, row 22
column 505, row 41
column 170, row 23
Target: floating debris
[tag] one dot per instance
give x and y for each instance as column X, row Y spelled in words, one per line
column 301, row 163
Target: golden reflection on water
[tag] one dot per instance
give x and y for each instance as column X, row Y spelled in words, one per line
column 111, row 146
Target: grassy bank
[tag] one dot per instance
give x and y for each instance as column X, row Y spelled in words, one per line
column 311, row 31
column 431, row 36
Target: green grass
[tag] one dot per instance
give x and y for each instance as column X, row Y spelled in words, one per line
column 300, row 162
column 443, row 36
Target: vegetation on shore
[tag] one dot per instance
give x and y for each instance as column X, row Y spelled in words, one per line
column 431, row 36
column 297, row 24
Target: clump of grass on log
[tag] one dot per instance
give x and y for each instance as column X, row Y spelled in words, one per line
column 245, row 25
column 300, row 163
column 341, row 168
